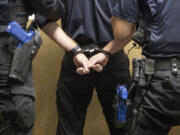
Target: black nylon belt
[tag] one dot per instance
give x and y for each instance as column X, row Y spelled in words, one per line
column 167, row 63
column 3, row 28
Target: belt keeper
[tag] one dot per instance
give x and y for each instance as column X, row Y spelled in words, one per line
column 174, row 66
column 149, row 66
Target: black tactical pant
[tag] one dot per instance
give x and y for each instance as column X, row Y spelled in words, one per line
column 16, row 99
column 160, row 109
column 75, row 91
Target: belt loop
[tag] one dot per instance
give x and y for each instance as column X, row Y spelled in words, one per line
column 174, row 66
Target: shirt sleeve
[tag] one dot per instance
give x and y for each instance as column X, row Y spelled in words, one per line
column 52, row 9
column 126, row 10
column 41, row 21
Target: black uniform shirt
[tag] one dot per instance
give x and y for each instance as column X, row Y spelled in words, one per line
column 53, row 9
column 163, row 24
column 88, row 21
column 9, row 9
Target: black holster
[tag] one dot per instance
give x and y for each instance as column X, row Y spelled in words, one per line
column 22, row 60
column 143, row 69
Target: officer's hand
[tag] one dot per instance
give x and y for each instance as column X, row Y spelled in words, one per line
column 82, row 64
column 98, row 61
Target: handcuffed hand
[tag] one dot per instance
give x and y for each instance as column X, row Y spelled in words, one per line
column 82, row 64
column 98, row 61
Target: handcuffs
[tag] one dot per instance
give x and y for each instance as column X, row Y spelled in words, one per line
column 88, row 51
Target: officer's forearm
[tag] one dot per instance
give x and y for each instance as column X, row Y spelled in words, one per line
column 122, row 31
column 59, row 36
column 116, row 45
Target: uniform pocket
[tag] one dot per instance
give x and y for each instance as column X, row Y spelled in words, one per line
column 25, row 110
column 160, row 78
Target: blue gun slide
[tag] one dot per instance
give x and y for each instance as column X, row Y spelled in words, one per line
column 19, row 34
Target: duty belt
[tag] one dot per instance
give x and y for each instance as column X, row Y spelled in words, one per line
column 172, row 64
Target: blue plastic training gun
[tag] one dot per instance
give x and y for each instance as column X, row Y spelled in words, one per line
column 120, row 105
column 26, row 50
column 19, row 34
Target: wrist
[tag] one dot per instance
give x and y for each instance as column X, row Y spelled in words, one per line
column 107, row 53
column 76, row 50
